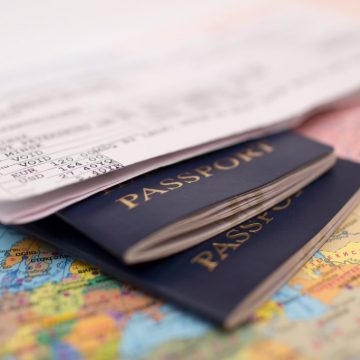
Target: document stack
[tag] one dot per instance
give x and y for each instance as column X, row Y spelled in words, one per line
column 176, row 170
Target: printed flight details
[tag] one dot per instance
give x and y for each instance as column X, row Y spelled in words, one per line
column 262, row 75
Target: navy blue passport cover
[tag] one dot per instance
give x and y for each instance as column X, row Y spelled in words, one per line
column 272, row 238
column 191, row 185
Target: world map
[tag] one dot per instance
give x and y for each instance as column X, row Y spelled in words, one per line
column 55, row 306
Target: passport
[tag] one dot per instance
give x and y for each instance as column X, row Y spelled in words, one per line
column 226, row 277
column 179, row 206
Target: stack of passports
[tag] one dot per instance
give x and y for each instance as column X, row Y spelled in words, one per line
column 177, row 207
column 217, row 234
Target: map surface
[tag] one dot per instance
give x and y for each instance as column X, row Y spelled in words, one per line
column 53, row 306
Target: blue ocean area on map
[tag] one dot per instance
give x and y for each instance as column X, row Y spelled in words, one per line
column 19, row 277
column 298, row 306
column 175, row 325
column 64, row 351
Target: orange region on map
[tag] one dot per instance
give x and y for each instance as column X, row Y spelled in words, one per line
column 24, row 249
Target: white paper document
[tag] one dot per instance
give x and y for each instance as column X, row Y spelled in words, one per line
column 69, row 133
